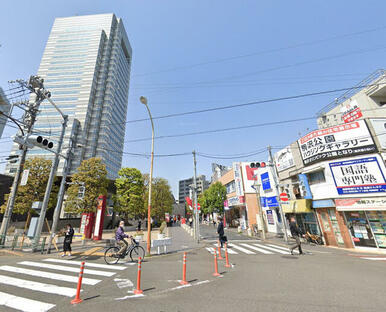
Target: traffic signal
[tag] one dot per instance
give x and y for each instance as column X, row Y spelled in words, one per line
column 258, row 164
column 38, row 140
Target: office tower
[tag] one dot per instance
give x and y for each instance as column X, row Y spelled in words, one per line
column 185, row 186
column 86, row 67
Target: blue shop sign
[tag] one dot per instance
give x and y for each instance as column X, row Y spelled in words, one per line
column 265, row 181
column 272, row 202
column 263, row 201
column 323, row 203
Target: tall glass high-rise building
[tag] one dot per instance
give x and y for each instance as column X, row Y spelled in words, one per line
column 86, row 66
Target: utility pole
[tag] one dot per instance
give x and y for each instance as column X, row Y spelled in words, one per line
column 196, row 221
column 47, row 194
column 66, row 171
column 35, row 85
column 276, row 181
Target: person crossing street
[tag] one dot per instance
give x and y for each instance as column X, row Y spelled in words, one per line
column 296, row 233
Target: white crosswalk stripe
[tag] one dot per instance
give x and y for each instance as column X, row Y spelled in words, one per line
column 35, row 280
column 252, row 248
column 230, row 251
column 374, row 259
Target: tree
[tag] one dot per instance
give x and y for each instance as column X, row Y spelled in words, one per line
column 130, row 193
column 212, row 200
column 39, row 171
column 91, row 174
column 161, row 198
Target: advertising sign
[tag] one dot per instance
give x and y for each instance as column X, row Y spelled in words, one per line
column 304, row 186
column 24, row 177
column 353, row 204
column 248, row 177
column 362, row 175
column 265, row 181
column 379, row 126
column 270, row 202
column 270, row 217
column 351, row 112
column 284, row 159
column 238, row 182
column 339, row 141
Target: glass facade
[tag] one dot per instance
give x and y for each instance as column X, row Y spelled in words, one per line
column 86, row 67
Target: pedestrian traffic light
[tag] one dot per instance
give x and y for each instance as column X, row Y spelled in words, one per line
column 258, row 164
column 38, row 140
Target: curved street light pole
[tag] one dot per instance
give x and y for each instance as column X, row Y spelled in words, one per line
column 144, row 102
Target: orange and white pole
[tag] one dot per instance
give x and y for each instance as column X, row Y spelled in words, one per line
column 227, row 265
column 139, row 291
column 77, row 297
column 184, row 281
column 219, row 251
column 215, row 264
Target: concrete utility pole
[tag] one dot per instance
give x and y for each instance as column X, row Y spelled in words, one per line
column 276, row 181
column 35, row 85
column 195, row 203
column 66, row 171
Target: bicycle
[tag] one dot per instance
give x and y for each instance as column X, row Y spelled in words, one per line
column 135, row 250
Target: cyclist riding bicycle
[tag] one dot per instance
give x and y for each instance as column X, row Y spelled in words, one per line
column 120, row 238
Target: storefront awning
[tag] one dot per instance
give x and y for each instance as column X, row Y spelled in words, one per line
column 297, row 206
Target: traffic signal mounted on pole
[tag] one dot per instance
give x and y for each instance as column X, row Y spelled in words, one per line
column 34, row 140
column 258, row 164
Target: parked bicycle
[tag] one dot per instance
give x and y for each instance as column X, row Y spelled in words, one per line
column 134, row 250
column 312, row 238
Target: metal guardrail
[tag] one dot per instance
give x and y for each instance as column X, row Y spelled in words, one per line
column 369, row 80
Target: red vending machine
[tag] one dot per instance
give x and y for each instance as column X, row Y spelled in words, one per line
column 86, row 224
column 100, row 217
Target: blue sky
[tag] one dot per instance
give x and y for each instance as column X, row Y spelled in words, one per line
column 190, row 55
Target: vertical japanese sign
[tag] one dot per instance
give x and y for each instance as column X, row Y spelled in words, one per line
column 238, row 181
column 339, row 141
column 363, row 175
column 265, row 181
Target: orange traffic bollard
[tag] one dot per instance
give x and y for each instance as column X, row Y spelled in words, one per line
column 77, row 297
column 139, row 291
column 184, row 281
column 219, row 251
column 227, row 265
column 215, row 265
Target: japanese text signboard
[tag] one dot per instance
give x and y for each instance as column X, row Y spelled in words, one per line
column 362, row 175
column 351, row 112
column 345, row 140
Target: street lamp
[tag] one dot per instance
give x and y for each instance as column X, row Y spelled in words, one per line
column 257, row 189
column 144, row 102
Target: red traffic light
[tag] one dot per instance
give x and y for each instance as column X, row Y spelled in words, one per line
column 258, row 164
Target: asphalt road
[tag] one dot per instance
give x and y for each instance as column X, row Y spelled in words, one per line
column 264, row 277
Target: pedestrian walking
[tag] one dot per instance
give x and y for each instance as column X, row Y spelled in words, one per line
column 68, row 240
column 139, row 225
column 295, row 233
column 220, row 231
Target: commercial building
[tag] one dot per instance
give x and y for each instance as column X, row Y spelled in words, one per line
column 185, row 187
column 86, row 67
column 4, row 107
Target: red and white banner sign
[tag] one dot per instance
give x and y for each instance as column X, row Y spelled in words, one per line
column 351, row 112
column 354, row 204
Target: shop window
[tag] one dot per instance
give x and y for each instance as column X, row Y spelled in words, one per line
column 316, row 177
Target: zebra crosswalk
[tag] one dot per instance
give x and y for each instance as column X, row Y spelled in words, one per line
column 252, row 248
column 54, row 277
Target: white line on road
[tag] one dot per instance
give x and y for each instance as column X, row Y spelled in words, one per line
column 23, row 304
column 273, row 249
column 54, row 276
column 210, row 249
column 230, row 251
column 88, row 264
column 242, row 249
column 379, row 259
column 258, row 249
column 64, row 268
column 282, row 248
column 37, row 286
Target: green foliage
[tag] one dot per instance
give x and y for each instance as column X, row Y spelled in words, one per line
column 212, row 200
column 92, row 175
column 161, row 199
column 130, row 193
column 39, row 171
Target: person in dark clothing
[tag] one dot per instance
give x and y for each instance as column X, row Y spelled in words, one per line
column 68, row 240
column 139, row 225
column 296, row 233
column 220, row 231
column 120, row 239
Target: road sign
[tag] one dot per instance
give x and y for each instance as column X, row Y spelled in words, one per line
column 24, row 177
column 283, row 196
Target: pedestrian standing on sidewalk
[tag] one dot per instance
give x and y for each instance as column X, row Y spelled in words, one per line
column 296, row 233
column 68, row 240
column 220, row 232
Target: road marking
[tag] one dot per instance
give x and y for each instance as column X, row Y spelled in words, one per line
column 88, row 264
column 258, row 249
column 37, row 286
column 54, row 276
column 283, row 248
column 123, row 283
column 230, row 251
column 64, row 268
column 273, row 249
column 23, row 304
column 242, row 249
column 379, row 259
column 210, row 249
column 91, row 251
